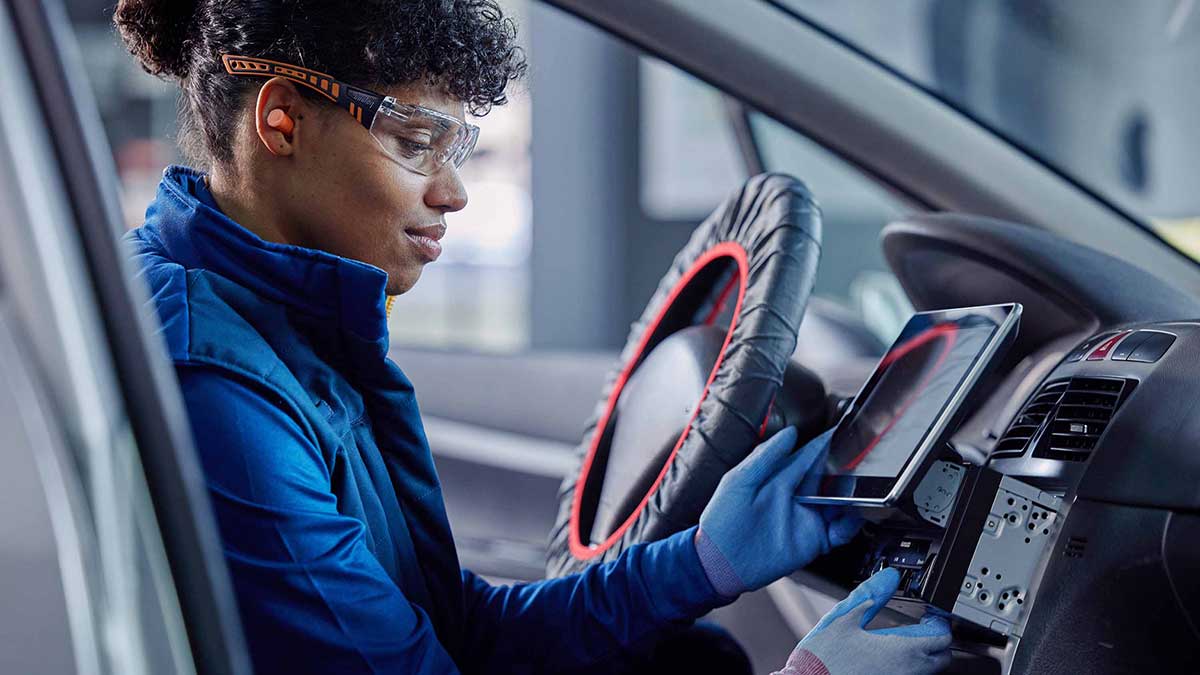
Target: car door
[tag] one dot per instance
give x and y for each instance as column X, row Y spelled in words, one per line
column 110, row 561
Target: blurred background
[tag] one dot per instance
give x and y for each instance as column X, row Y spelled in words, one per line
column 585, row 185
column 581, row 190
column 593, row 176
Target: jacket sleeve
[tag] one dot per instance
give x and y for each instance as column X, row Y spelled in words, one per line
column 580, row 619
column 312, row 597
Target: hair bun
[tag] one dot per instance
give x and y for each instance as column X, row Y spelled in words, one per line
column 157, row 32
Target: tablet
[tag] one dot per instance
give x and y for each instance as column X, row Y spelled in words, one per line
column 909, row 402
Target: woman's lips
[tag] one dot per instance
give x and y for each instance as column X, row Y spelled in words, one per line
column 427, row 239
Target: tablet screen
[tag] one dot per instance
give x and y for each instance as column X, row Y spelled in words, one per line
column 908, row 400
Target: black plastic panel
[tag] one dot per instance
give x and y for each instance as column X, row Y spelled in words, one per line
column 1182, row 557
column 954, row 260
column 1106, row 603
column 1150, row 454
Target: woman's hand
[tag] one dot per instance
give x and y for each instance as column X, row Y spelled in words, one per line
column 754, row 531
column 840, row 645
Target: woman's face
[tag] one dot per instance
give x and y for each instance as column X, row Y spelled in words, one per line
column 351, row 199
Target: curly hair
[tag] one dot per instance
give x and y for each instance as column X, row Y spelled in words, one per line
column 467, row 48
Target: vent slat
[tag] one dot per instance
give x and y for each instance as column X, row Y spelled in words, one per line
column 1083, row 415
column 1030, row 419
column 1069, row 441
column 1069, row 454
column 1090, row 399
column 1084, row 406
column 1096, row 384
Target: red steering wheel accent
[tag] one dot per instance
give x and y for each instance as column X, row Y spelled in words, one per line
column 728, row 249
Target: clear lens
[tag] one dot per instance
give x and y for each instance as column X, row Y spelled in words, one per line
column 420, row 139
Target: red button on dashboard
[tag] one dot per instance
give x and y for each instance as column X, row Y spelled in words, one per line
column 1106, row 347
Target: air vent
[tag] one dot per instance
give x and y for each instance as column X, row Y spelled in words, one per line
column 1081, row 417
column 1031, row 418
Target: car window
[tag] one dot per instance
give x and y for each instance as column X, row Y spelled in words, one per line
column 690, row 158
column 852, row 273
column 476, row 297
column 1095, row 89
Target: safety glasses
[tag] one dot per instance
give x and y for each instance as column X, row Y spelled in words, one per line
column 418, row 138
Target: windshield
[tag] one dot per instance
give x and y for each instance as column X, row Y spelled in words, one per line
column 1105, row 91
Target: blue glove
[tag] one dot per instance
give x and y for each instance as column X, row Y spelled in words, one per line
column 754, row 531
column 840, row 645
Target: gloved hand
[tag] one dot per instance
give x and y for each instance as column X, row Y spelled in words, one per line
column 753, row 531
column 839, row 645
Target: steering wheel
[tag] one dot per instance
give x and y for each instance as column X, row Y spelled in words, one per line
column 695, row 386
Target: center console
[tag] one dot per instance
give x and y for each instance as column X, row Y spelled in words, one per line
column 984, row 532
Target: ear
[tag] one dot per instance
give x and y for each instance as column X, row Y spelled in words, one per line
column 278, row 93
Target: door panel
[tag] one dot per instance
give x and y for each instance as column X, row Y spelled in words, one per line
column 45, row 613
column 155, row 586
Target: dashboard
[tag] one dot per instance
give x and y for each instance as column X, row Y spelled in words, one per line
column 1060, row 525
column 1039, row 532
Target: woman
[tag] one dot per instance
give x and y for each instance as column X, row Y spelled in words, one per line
column 329, row 135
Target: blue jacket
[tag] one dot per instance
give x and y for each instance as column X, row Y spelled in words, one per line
column 323, row 485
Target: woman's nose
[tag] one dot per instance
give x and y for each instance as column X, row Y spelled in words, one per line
column 446, row 191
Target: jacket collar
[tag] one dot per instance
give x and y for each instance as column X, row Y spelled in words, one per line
column 185, row 221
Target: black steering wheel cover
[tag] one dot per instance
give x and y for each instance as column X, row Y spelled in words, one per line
column 771, row 230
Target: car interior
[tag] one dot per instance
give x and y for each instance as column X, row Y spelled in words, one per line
column 1051, row 510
